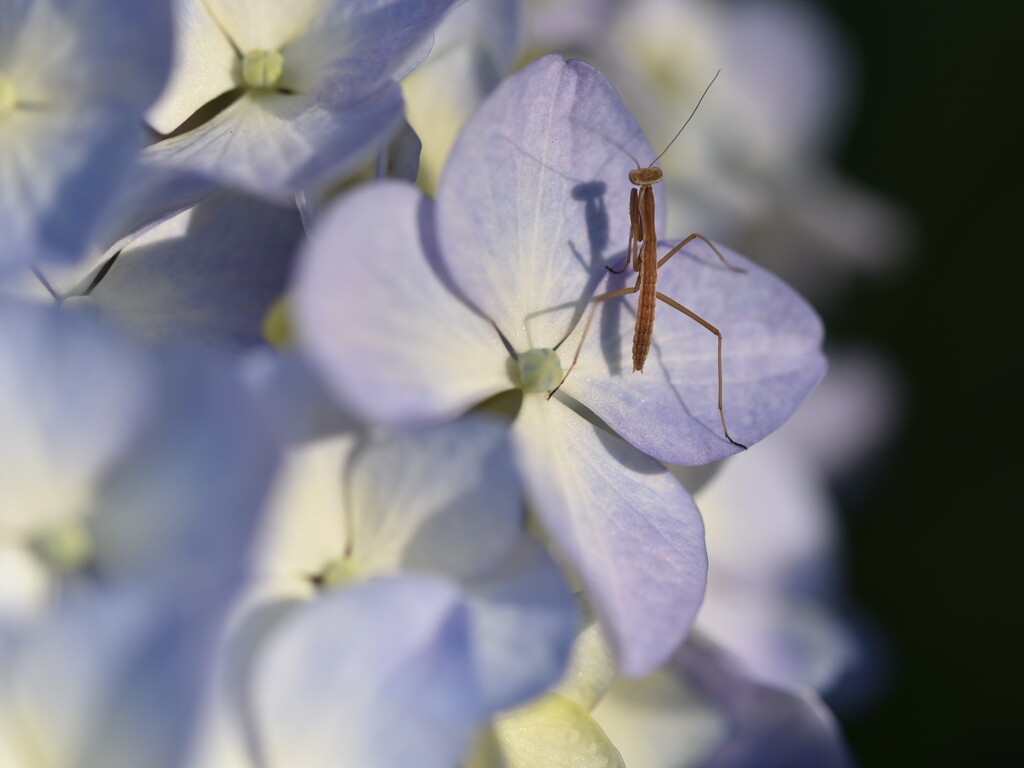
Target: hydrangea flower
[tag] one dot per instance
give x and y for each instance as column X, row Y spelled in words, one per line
column 75, row 78
column 396, row 604
column 471, row 298
column 130, row 487
column 305, row 90
column 119, row 462
column 206, row 275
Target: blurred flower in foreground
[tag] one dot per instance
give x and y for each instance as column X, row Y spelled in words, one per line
column 396, row 604
column 696, row 712
column 524, row 191
column 279, row 98
column 75, row 78
column 130, row 487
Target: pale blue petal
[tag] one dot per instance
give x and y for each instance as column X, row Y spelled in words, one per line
column 769, row 727
column 112, row 680
column 534, row 200
column 83, row 73
column 443, row 499
column 624, row 523
column 376, row 676
column 772, row 359
column 184, row 504
column 376, row 319
column 523, row 621
column 72, row 402
column 276, row 145
column 208, row 275
column 355, row 46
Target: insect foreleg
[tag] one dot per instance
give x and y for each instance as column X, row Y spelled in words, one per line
column 689, row 239
column 586, row 326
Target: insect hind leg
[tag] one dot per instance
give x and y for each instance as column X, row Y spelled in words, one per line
column 697, row 318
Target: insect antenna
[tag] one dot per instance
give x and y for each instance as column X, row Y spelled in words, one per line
column 687, row 119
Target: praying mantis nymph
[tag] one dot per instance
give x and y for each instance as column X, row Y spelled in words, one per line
column 642, row 252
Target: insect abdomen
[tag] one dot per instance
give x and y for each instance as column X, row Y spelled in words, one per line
column 644, row 316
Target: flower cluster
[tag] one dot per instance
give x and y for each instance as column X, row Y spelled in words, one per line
column 300, row 466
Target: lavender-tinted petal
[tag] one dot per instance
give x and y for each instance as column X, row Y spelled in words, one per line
column 425, row 355
column 184, row 504
column 534, row 199
column 442, row 499
column 771, row 359
column 208, row 275
column 128, row 664
column 769, row 727
column 73, row 399
column 523, row 620
column 624, row 523
column 354, row 47
column 276, row 145
column 377, row 675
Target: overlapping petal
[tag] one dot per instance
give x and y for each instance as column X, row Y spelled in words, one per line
column 83, row 73
column 398, row 689
column 278, row 144
column 443, row 499
column 534, row 199
column 425, row 355
column 771, row 359
column 208, row 275
column 627, row 526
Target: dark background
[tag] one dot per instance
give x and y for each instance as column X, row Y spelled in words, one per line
column 935, row 545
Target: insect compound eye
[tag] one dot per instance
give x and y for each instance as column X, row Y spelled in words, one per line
column 540, row 370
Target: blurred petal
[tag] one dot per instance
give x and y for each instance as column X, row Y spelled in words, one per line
column 660, row 721
column 771, row 360
column 207, row 275
column 534, row 199
column 275, row 144
column 625, row 524
column 83, row 73
column 354, row 46
column 523, row 621
column 72, row 401
column 127, row 665
column 425, row 355
column 769, row 727
column 442, row 499
column 203, row 67
column 474, row 47
column 377, row 675
column 184, row 504
column 554, row 731
column 304, row 527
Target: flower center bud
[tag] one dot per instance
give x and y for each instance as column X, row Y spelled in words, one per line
column 262, row 69
column 8, row 95
column 339, row 573
column 540, row 370
column 67, row 548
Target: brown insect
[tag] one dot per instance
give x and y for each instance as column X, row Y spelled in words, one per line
column 642, row 252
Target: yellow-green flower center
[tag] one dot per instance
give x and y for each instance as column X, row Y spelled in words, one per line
column 8, row 95
column 339, row 573
column 261, row 69
column 540, row 370
column 67, row 548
